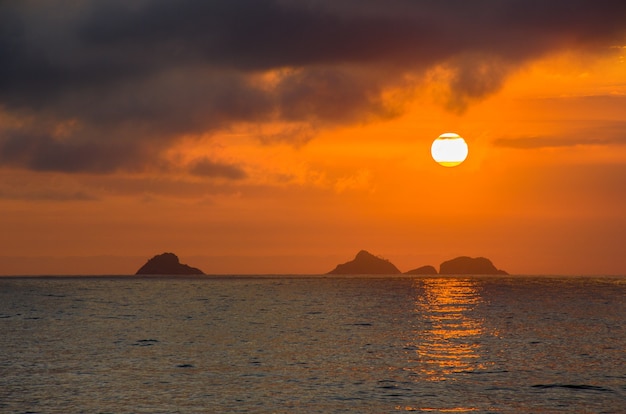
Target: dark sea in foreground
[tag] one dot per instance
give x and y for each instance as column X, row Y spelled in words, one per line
column 511, row 344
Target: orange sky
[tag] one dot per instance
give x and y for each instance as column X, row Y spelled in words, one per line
column 303, row 187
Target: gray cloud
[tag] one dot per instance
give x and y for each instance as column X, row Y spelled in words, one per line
column 135, row 75
column 611, row 133
column 473, row 78
column 536, row 142
column 45, row 195
column 40, row 151
column 207, row 167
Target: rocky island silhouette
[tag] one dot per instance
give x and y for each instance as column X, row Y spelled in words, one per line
column 469, row 266
column 167, row 264
column 366, row 263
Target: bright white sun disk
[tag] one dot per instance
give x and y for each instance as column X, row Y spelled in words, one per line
column 449, row 149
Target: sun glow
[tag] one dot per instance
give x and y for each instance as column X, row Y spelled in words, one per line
column 449, row 150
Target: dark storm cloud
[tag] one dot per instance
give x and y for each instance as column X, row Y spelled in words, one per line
column 263, row 34
column 134, row 75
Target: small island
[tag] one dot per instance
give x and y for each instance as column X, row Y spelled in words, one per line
column 167, row 264
column 365, row 263
column 469, row 266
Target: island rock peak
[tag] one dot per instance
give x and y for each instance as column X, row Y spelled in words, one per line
column 167, row 264
column 366, row 263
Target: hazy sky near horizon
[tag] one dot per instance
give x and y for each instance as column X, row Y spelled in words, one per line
column 259, row 136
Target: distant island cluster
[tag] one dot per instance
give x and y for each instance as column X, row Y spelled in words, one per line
column 364, row 263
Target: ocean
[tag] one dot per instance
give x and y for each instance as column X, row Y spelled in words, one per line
column 318, row 344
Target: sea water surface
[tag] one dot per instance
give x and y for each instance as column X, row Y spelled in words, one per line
column 501, row 344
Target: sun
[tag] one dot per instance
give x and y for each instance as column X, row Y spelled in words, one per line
column 449, row 149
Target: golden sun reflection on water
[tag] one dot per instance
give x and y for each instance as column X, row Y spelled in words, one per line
column 450, row 342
